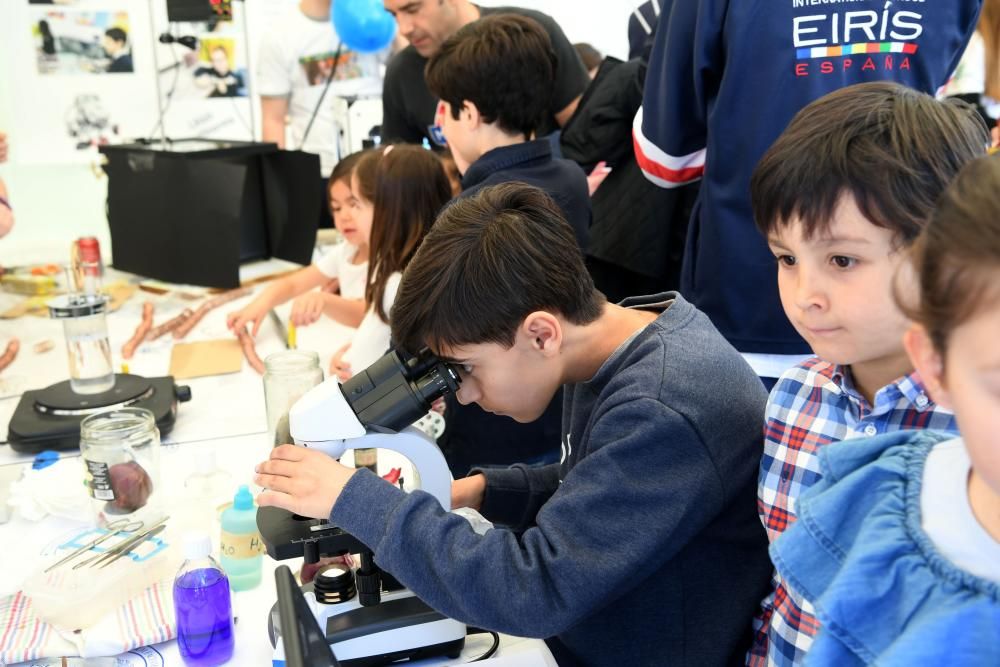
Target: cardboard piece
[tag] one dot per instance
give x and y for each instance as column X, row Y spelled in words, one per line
column 207, row 357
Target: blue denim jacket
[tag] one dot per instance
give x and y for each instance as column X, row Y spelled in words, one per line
column 882, row 591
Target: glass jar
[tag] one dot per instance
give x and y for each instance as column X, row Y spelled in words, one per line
column 120, row 450
column 86, row 332
column 287, row 376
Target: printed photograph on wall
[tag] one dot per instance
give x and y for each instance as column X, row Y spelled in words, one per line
column 212, row 68
column 81, row 42
column 217, row 74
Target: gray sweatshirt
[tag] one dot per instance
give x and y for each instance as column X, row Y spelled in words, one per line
column 641, row 547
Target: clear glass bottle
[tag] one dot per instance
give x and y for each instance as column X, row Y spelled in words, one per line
column 86, row 332
column 287, row 376
column 203, row 606
column 120, row 450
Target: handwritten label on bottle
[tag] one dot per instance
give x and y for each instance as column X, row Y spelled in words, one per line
column 246, row 545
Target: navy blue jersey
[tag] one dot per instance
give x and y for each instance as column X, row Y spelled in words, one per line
column 725, row 78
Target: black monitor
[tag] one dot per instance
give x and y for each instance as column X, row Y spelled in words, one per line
column 191, row 211
column 304, row 642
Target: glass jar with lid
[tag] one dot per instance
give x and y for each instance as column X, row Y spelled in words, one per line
column 120, row 449
column 287, row 376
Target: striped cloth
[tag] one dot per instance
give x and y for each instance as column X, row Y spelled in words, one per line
column 812, row 405
column 145, row 619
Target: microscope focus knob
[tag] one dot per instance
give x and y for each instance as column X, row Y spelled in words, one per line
column 310, row 552
column 369, row 587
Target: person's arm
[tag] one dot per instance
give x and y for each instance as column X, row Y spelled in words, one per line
column 273, row 111
column 275, row 294
column 309, row 307
column 637, row 500
column 6, row 212
column 670, row 129
column 275, row 69
column 563, row 115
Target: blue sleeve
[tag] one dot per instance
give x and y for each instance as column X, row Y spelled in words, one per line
column 625, row 509
column 685, row 67
column 515, row 494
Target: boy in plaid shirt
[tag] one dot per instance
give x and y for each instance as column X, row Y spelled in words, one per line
column 840, row 195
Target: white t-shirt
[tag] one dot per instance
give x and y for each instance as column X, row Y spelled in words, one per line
column 294, row 61
column 947, row 517
column 336, row 263
column 969, row 77
column 371, row 340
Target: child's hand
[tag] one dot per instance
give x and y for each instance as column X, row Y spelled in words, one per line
column 6, row 220
column 468, row 492
column 338, row 366
column 301, row 480
column 253, row 312
column 308, row 308
column 597, row 176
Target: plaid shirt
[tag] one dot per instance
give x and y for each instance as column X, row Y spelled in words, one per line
column 814, row 404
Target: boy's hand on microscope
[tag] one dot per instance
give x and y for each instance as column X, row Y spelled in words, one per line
column 254, row 313
column 308, row 308
column 301, row 480
column 468, row 492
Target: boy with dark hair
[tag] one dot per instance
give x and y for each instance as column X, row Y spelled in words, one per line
column 641, row 546
column 840, row 196
column 408, row 106
column 494, row 77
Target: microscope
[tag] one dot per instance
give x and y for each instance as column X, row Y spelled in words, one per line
column 367, row 617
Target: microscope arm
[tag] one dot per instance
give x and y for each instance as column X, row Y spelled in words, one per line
column 429, row 464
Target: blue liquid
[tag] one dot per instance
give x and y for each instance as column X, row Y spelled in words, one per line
column 204, row 617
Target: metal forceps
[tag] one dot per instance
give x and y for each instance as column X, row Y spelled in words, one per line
column 115, row 527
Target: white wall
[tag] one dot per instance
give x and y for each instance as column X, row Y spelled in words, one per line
column 66, row 201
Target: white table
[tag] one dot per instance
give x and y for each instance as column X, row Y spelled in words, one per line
column 226, row 415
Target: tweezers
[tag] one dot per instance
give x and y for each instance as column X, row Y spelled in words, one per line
column 113, row 528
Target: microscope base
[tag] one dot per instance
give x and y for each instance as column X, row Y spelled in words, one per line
column 400, row 627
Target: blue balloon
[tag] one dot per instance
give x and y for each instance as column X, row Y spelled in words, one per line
column 363, row 25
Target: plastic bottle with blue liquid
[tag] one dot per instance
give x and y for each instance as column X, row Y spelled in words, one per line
column 241, row 547
column 203, row 606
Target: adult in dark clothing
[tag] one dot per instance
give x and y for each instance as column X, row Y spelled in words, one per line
column 638, row 230
column 408, row 107
column 115, row 43
column 642, row 546
column 494, row 78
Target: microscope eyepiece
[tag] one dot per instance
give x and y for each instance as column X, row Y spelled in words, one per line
column 398, row 390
